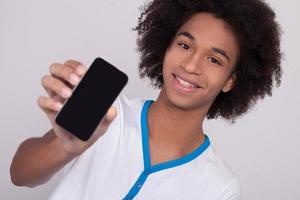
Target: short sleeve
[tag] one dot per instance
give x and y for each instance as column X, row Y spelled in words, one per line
column 231, row 191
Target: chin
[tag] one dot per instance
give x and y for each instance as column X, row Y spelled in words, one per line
column 180, row 102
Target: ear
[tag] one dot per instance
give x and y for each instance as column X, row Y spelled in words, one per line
column 229, row 83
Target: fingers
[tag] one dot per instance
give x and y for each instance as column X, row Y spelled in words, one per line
column 52, row 84
column 79, row 68
column 65, row 73
column 72, row 63
column 71, row 71
column 59, row 84
column 49, row 104
column 68, row 73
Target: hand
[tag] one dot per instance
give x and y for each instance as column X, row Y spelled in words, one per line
column 59, row 84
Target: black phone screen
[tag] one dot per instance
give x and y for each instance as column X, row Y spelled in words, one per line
column 91, row 99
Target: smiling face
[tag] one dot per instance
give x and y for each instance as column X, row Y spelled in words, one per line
column 198, row 63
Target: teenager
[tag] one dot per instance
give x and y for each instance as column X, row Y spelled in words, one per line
column 210, row 59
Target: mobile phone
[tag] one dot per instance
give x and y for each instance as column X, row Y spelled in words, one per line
column 91, row 99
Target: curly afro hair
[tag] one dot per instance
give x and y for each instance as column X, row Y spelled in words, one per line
column 253, row 22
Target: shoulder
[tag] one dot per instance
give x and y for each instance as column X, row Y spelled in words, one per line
column 129, row 105
column 221, row 175
column 129, row 109
column 217, row 165
column 231, row 191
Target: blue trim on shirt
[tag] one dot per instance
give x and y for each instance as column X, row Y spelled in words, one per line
column 148, row 169
column 145, row 139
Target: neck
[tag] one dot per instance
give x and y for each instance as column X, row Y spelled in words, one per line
column 174, row 127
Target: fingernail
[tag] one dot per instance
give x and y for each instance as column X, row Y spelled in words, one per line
column 66, row 93
column 80, row 70
column 58, row 106
column 74, row 79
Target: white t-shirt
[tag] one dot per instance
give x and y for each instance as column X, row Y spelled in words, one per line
column 118, row 166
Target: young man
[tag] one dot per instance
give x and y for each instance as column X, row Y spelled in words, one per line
column 210, row 58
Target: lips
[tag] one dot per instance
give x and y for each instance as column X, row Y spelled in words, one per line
column 183, row 86
column 185, row 82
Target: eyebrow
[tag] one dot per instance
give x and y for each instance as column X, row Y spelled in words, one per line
column 216, row 50
column 188, row 35
column 220, row 51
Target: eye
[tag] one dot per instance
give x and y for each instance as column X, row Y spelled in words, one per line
column 184, row 46
column 214, row 60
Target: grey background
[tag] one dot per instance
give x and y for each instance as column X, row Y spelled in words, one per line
column 262, row 147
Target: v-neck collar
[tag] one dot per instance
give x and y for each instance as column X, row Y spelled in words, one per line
column 146, row 149
column 148, row 169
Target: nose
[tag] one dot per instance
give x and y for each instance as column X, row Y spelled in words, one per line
column 191, row 65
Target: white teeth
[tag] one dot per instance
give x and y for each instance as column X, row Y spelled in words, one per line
column 184, row 83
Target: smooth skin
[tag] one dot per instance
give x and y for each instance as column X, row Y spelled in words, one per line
column 38, row 159
column 174, row 119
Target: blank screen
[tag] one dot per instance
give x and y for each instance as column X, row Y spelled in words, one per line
column 94, row 94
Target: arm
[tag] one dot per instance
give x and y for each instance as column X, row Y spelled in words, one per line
column 38, row 159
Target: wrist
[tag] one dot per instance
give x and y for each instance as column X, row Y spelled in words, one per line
column 65, row 149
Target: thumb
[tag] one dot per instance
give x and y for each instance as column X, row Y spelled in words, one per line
column 109, row 116
column 104, row 124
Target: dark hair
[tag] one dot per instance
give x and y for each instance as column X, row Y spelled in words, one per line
column 252, row 21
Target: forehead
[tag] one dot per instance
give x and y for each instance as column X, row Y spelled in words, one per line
column 210, row 31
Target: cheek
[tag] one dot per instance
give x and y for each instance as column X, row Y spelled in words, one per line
column 216, row 81
column 168, row 62
column 165, row 66
column 173, row 54
column 215, row 76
